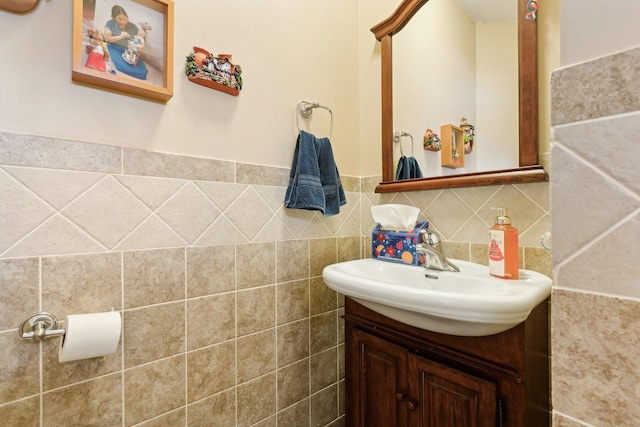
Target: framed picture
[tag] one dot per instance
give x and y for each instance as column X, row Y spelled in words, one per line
column 124, row 46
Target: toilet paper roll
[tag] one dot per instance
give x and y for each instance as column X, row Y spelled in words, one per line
column 90, row 335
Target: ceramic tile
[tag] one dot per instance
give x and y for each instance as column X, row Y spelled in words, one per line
column 36, row 151
column 536, row 191
column 249, row 212
column 19, row 378
column 255, row 264
column 586, row 140
column 324, row 406
column 222, row 194
column 293, row 342
column 95, row 402
column 153, row 276
column 323, row 332
column 476, row 197
column 151, row 234
column 20, row 285
column 256, row 400
column 595, row 364
column 292, row 260
column 475, row 230
column 538, row 259
column 348, row 228
column 296, row 220
column 148, row 163
column 211, row 370
column 153, row 389
column 25, row 212
column 296, row 415
column 256, row 310
column 348, row 248
column 316, row 229
column 25, row 413
column 79, row 284
column 369, row 183
column 173, row 418
column 165, row 323
column 324, row 369
column 322, row 253
column 57, row 236
column 203, row 329
column 210, row 270
column 273, row 195
column 585, row 271
column 189, row 212
column 201, row 415
column 273, row 230
column 575, row 221
column 257, row 355
column 323, row 298
column 532, row 237
column 293, row 301
column 108, row 212
column 561, row 421
column 58, row 188
column 152, row 191
column 448, row 213
column 221, row 232
column 56, row 374
column 258, row 174
column 293, row 383
column 521, row 209
column 602, row 87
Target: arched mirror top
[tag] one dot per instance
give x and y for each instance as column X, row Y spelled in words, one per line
column 528, row 171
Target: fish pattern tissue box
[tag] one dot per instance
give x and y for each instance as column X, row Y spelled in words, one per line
column 397, row 246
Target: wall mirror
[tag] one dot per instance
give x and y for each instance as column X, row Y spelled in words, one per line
column 524, row 132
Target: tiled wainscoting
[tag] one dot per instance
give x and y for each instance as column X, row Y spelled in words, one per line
column 596, row 222
column 226, row 319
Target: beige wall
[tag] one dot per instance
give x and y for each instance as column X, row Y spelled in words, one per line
column 296, row 61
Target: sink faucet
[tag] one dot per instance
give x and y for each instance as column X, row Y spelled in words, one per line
column 431, row 248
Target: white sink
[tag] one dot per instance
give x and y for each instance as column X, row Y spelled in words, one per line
column 468, row 303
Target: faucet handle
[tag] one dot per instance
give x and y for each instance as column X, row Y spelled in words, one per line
column 432, row 239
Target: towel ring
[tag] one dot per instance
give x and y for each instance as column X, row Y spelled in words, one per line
column 305, row 108
column 396, row 138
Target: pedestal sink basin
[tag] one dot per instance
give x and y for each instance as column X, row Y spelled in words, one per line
column 468, row 303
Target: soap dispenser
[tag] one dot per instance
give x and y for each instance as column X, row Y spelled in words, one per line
column 503, row 247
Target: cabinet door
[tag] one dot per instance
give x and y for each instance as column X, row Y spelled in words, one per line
column 441, row 396
column 378, row 373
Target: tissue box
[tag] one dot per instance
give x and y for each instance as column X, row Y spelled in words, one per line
column 397, row 246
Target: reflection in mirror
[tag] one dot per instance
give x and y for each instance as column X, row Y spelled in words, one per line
column 527, row 168
column 470, row 73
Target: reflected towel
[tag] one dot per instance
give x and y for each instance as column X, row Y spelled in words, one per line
column 408, row 168
column 314, row 182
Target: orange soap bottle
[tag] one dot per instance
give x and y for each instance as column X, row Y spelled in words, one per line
column 503, row 247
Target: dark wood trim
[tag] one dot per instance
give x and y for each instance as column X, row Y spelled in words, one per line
column 523, row 175
column 528, row 110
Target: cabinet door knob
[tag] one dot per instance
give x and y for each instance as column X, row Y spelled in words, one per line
column 400, row 396
column 412, row 405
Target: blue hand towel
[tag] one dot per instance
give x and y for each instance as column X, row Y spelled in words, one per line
column 314, row 182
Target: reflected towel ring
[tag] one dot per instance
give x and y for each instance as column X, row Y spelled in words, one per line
column 305, row 108
column 396, row 138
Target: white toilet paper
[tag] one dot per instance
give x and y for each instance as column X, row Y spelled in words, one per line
column 395, row 216
column 90, row 335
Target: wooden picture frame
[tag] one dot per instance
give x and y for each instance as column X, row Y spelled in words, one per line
column 139, row 64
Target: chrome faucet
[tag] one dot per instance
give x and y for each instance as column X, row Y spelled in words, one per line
column 431, row 248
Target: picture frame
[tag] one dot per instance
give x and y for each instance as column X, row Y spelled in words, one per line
column 124, row 46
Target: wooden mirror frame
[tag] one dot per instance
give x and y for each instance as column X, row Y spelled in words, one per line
column 529, row 169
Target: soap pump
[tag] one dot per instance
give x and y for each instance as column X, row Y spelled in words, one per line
column 503, row 247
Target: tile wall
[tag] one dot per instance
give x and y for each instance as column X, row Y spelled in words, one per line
column 595, row 199
column 226, row 320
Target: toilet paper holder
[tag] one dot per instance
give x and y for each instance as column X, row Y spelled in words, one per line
column 40, row 326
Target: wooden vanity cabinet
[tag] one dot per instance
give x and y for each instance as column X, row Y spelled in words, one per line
column 399, row 375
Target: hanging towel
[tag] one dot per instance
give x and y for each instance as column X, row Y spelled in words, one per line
column 408, row 168
column 314, row 182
